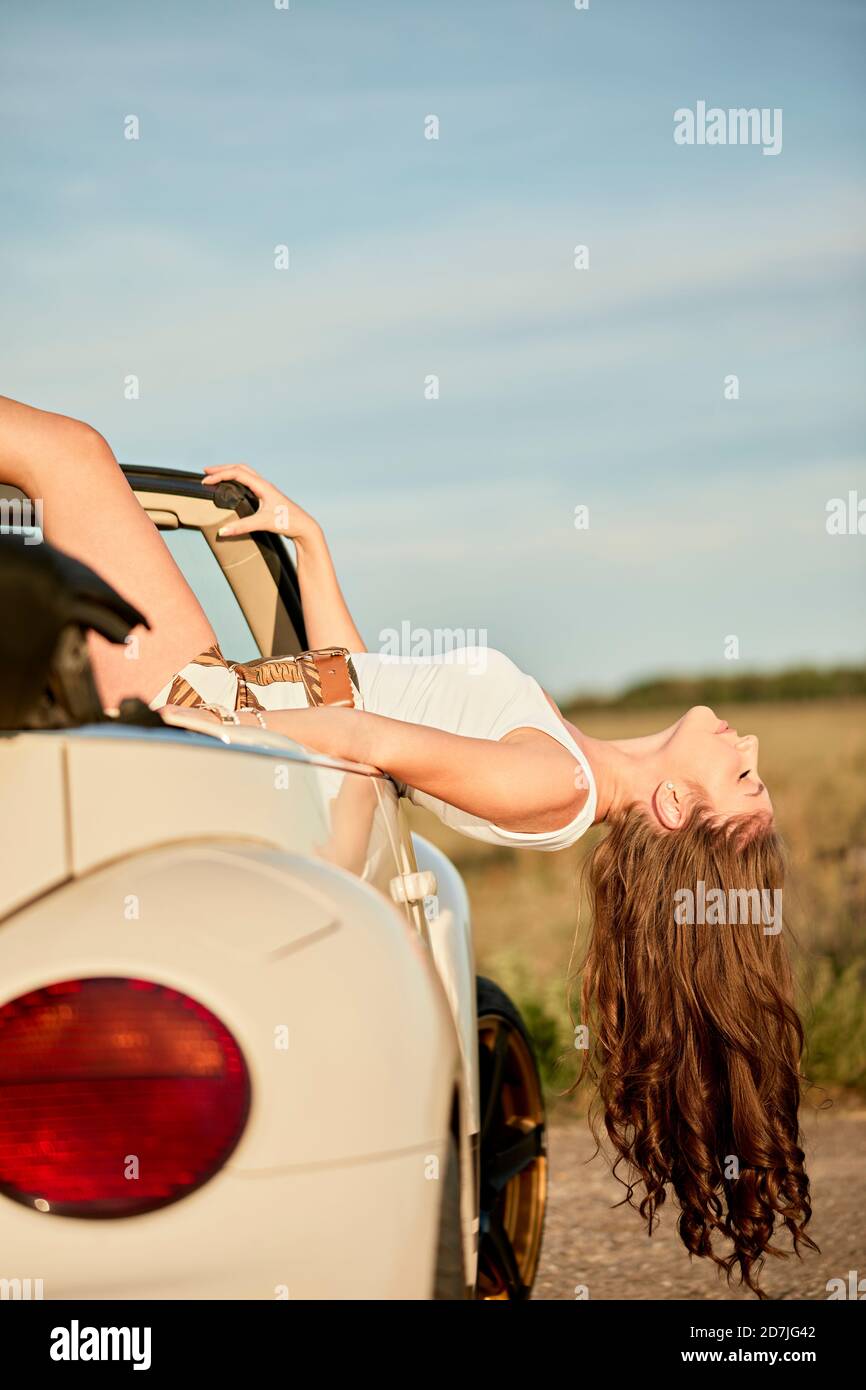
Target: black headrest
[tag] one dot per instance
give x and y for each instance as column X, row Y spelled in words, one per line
column 42, row 593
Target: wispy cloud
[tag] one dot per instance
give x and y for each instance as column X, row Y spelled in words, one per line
column 454, row 258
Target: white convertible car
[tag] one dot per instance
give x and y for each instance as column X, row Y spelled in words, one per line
column 243, row 1050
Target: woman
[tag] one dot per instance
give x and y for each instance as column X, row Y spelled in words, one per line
column 694, row 1043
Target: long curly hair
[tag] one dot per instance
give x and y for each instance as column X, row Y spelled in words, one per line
column 694, row 1043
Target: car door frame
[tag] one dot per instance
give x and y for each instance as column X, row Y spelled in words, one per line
column 202, row 507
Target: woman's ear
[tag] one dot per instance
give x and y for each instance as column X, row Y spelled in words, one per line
column 669, row 804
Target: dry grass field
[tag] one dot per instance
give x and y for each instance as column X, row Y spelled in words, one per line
column 813, row 759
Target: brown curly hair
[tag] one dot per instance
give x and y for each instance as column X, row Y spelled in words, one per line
column 694, row 1042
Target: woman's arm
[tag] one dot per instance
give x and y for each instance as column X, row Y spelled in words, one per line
column 526, row 782
column 326, row 614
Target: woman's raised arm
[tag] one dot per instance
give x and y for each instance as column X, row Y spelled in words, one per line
column 326, row 613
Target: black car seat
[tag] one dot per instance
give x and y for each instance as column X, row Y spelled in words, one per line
column 48, row 603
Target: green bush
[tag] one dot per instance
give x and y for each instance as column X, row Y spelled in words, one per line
column 835, row 1022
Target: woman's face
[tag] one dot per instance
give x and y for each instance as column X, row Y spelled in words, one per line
column 702, row 748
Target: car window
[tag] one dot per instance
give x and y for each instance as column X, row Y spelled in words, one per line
column 199, row 567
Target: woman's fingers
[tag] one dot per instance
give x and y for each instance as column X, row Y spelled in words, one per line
column 227, row 467
column 243, row 526
column 242, row 473
column 237, row 473
column 276, row 512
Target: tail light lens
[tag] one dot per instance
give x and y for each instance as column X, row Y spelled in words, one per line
column 116, row 1096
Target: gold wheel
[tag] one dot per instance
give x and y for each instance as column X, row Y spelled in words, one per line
column 513, row 1151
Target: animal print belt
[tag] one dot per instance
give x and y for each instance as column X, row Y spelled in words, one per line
column 327, row 675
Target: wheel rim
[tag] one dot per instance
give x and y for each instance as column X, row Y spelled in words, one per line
column 513, row 1162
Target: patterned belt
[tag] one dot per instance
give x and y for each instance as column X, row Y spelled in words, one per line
column 327, row 675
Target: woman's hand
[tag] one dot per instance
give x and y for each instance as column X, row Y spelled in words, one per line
column 276, row 512
column 328, row 620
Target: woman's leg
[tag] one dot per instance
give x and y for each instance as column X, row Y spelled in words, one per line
column 89, row 511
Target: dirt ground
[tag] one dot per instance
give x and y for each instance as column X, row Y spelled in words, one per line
column 589, row 1242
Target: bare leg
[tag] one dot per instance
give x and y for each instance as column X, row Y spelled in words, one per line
column 89, row 510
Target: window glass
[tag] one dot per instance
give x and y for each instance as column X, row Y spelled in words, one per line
column 199, row 567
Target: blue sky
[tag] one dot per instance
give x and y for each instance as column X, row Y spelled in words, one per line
column 409, row 257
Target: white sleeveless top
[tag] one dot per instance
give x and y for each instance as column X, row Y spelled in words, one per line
column 474, row 691
column 479, row 693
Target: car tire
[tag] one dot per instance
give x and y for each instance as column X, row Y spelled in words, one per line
column 513, row 1149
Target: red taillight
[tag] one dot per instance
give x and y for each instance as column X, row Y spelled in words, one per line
column 116, row 1096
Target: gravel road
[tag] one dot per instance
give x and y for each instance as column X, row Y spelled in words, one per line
column 589, row 1242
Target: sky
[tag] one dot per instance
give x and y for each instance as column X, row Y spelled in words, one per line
column 558, row 388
